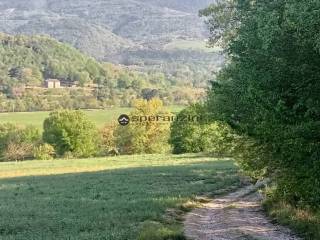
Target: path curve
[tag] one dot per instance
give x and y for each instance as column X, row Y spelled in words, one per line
column 236, row 216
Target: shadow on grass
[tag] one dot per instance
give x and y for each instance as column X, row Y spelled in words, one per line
column 108, row 204
column 204, row 155
column 192, row 156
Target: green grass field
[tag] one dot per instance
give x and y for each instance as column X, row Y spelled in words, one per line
column 99, row 117
column 105, row 198
column 190, row 45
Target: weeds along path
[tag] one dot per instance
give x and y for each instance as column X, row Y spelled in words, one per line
column 237, row 216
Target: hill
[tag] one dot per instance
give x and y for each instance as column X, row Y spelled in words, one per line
column 30, row 60
column 160, row 42
column 27, row 62
column 191, row 6
column 106, row 29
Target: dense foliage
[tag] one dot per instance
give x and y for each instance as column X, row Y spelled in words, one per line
column 44, row 152
column 71, row 132
column 269, row 91
column 193, row 131
column 148, row 136
column 16, row 142
column 26, row 62
column 106, row 29
column 185, row 135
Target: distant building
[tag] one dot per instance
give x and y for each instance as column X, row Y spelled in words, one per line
column 53, row 83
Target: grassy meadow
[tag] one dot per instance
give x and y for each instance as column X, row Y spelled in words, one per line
column 99, row 117
column 191, row 45
column 112, row 198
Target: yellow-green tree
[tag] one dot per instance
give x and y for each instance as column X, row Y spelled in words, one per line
column 147, row 136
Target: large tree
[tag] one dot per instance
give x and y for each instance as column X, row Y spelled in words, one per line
column 270, row 88
column 145, row 135
column 71, row 132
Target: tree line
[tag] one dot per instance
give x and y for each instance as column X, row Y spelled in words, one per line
column 27, row 61
column 71, row 134
column 267, row 102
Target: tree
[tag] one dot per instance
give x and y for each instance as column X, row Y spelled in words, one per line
column 15, row 72
column 93, row 68
column 194, row 132
column 269, row 91
column 147, row 136
column 31, row 76
column 185, row 135
column 124, row 81
column 148, row 93
column 70, row 131
column 108, row 138
column 82, row 78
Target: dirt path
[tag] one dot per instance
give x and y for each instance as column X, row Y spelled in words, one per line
column 235, row 216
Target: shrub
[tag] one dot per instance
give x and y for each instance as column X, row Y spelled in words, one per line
column 71, row 131
column 18, row 151
column 44, row 152
column 185, row 135
column 218, row 138
column 5, row 130
column 108, row 139
column 68, row 155
column 202, row 135
column 16, row 142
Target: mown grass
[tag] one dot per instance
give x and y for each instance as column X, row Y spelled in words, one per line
column 118, row 198
column 99, row 117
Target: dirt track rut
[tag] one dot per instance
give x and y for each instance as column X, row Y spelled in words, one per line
column 236, row 216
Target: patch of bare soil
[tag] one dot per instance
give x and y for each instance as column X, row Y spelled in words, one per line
column 236, row 216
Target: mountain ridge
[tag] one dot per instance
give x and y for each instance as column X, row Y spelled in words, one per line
column 104, row 29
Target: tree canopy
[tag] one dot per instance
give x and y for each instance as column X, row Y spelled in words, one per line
column 269, row 90
column 27, row 61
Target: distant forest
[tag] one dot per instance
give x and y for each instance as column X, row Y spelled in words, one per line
column 27, row 62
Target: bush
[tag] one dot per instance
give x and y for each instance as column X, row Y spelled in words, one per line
column 71, row 131
column 18, row 151
column 202, row 135
column 108, row 139
column 218, row 138
column 44, row 152
column 5, row 131
column 68, row 155
column 16, row 143
column 185, row 135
